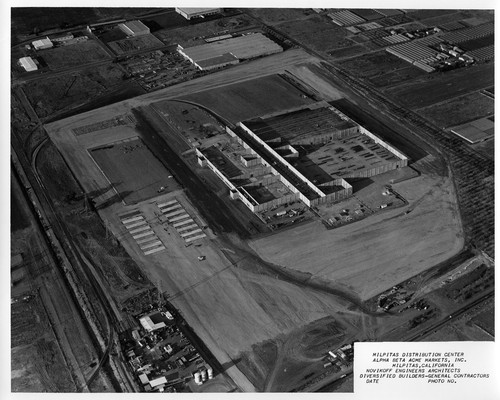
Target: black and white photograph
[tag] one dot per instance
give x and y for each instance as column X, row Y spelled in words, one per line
column 247, row 199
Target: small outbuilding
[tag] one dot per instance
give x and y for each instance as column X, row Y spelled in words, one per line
column 41, row 44
column 197, row 12
column 28, row 64
column 134, row 28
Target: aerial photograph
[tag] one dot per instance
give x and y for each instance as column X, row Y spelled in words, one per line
column 229, row 199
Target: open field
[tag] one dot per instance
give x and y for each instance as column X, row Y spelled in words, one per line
column 52, row 95
column 274, row 16
column 422, row 92
column 428, row 235
column 273, row 64
column 250, row 99
column 423, row 14
column 373, row 64
column 458, row 110
column 347, row 52
column 133, row 170
column 73, row 55
column 396, row 77
column 316, row 32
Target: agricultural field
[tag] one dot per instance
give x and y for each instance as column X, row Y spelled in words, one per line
column 432, row 231
column 373, row 64
column 458, row 110
column 274, row 16
column 133, row 44
column 316, row 32
column 393, row 78
column 249, row 99
column 423, row 14
column 133, row 170
column 193, row 35
column 55, row 94
column 347, row 52
column 73, row 55
column 435, row 88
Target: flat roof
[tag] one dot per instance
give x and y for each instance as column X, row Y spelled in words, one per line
column 242, row 47
column 136, row 26
column 28, row 64
column 477, row 130
column 222, row 59
column 223, row 164
column 341, row 158
column 299, row 124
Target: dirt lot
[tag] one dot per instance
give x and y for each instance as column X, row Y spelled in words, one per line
column 430, row 234
column 459, row 110
column 434, row 88
column 249, row 99
column 73, row 55
column 51, row 95
column 133, row 170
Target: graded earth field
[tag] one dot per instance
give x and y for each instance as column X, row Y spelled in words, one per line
column 372, row 255
column 133, row 170
column 249, row 99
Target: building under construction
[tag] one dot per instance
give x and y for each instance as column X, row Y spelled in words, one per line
column 301, row 155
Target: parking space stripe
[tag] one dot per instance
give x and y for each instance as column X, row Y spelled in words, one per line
column 176, row 225
column 179, row 218
column 195, row 238
column 184, row 235
column 166, row 209
column 149, row 245
column 140, row 229
column 132, row 219
column 187, row 228
column 146, row 239
column 134, row 224
column 174, row 213
column 154, row 250
column 167, row 203
column 140, row 235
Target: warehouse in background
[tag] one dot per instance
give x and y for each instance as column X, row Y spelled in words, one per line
column 229, row 51
column 189, row 12
column 134, row 28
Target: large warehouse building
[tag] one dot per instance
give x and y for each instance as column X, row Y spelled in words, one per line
column 302, row 155
column 134, row 28
column 208, row 56
column 193, row 12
